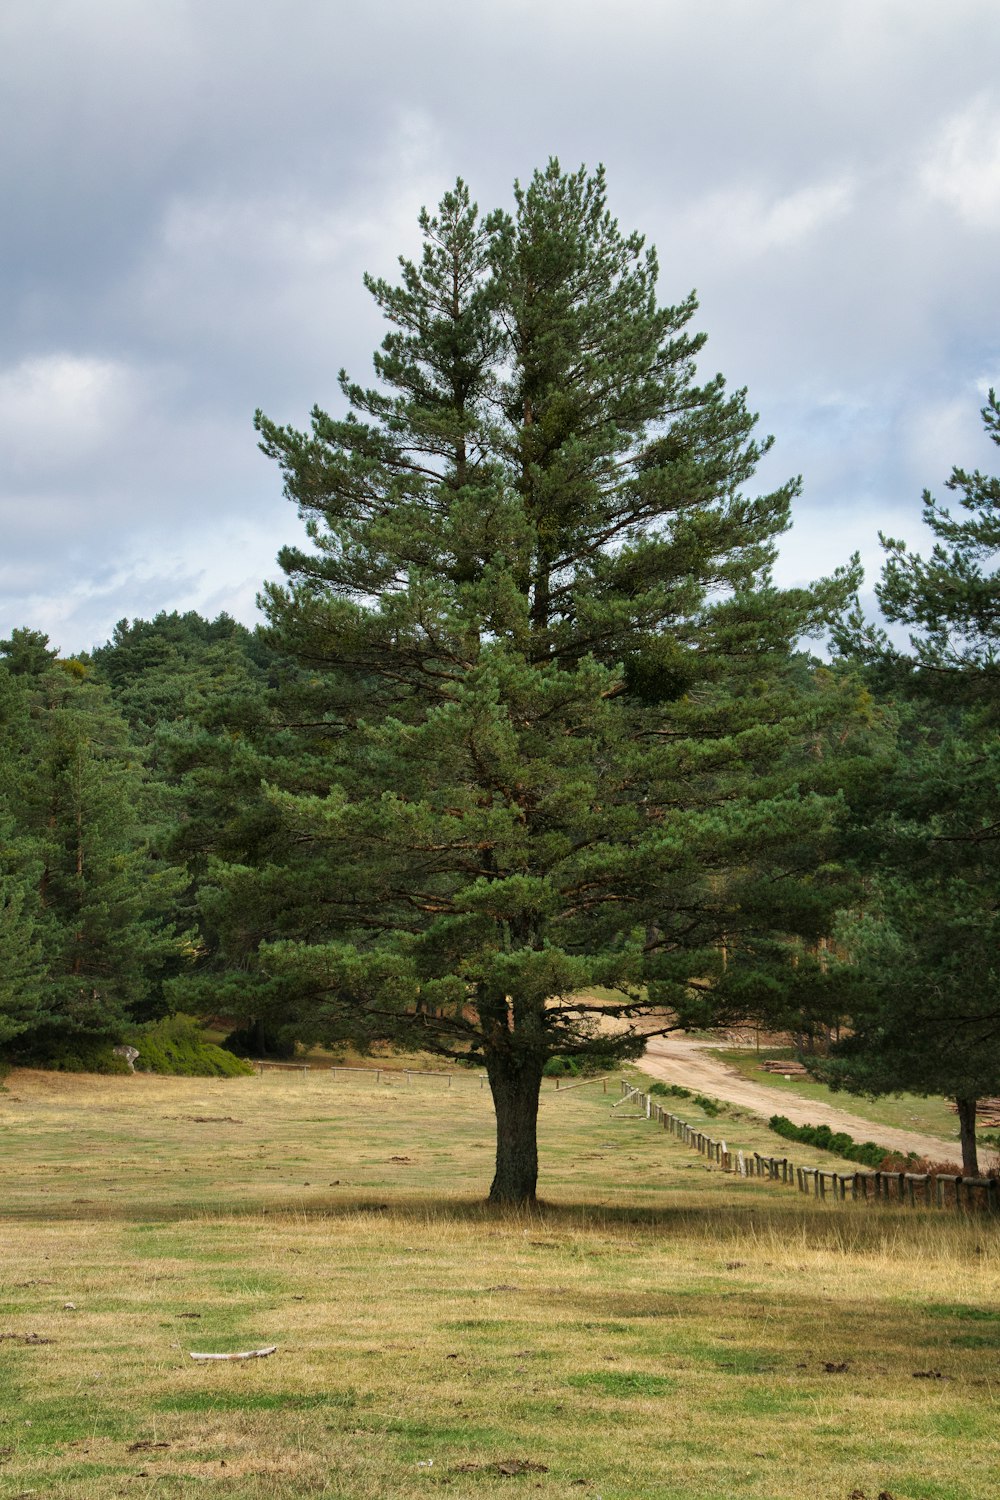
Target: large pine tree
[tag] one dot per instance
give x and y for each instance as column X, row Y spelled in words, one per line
column 562, row 732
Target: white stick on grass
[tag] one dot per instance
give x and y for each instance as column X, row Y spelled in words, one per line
column 249, row 1354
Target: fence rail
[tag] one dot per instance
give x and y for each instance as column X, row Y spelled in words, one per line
column 390, row 1074
column 466, row 1077
column 912, row 1189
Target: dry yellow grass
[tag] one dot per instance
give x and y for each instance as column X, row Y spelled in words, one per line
column 657, row 1330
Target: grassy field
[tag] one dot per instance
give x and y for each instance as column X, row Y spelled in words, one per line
column 658, row 1331
column 905, row 1111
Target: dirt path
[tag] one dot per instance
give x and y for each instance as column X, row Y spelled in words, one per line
column 687, row 1062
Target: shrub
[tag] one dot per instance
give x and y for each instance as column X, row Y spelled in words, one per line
column 561, row 1067
column 895, row 1161
column 840, row 1144
column 584, row 1066
column 83, row 1054
column 675, row 1091
column 177, row 1046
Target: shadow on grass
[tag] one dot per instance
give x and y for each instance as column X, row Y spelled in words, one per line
column 792, row 1217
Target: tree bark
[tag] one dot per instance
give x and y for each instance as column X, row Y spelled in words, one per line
column 515, row 1083
column 967, row 1135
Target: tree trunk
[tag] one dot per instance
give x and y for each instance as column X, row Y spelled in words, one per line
column 515, row 1083
column 967, row 1135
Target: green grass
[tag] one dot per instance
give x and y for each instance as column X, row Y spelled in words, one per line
column 657, row 1331
column 928, row 1116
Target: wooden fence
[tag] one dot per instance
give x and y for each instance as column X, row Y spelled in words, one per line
column 912, row 1189
column 392, row 1075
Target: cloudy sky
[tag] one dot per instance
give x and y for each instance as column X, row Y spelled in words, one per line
column 192, row 189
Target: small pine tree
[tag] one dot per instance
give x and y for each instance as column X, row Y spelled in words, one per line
column 925, row 1011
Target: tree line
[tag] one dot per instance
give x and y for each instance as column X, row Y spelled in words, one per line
column 532, row 751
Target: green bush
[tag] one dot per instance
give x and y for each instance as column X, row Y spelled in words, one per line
column 75, row 1055
column 561, row 1067
column 177, row 1046
column 585, row 1066
column 675, row 1091
column 867, row 1153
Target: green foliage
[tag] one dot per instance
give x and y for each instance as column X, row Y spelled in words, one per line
column 22, row 965
column 587, row 1064
column 177, row 1045
column 561, row 1067
column 197, row 695
column 707, row 1106
column 79, row 1054
column 557, row 737
column 925, row 1013
column 26, row 653
column 84, row 935
column 838, row 1142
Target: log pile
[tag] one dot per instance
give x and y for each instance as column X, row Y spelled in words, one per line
column 788, row 1067
column 987, row 1113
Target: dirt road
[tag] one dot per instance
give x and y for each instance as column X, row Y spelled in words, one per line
column 687, row 1062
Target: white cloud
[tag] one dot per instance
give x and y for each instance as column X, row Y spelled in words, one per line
column 746, row 222
column 962, row 168
column 57, row 409
column 77, row 599
column 938, row 435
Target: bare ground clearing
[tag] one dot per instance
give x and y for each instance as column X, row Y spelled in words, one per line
column 682, row 1060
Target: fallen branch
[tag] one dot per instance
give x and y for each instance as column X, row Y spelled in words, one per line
column 250, row 1354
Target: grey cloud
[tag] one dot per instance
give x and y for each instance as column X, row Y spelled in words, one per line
column 192, row 192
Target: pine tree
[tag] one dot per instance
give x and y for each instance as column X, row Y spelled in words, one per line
column 561, row 725
column 925, row 1011
column 85, row 906
column 22, row 1005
